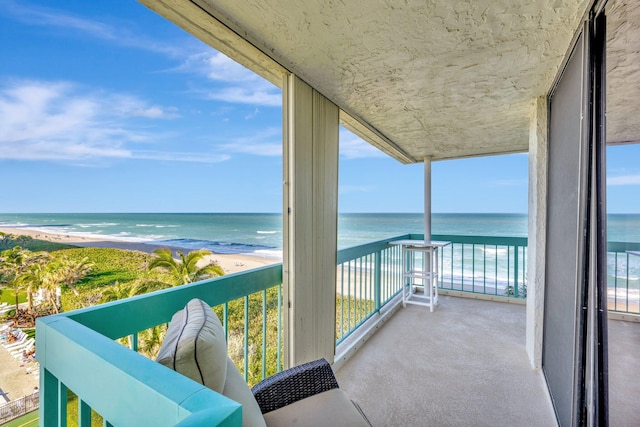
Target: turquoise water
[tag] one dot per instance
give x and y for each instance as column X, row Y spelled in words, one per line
column 261, row 233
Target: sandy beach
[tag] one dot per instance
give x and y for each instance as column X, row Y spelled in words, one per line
column 230, row 263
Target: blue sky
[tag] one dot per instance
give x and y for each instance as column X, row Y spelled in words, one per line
column 107, row 107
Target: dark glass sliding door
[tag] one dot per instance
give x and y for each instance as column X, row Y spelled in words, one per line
column 574, row 337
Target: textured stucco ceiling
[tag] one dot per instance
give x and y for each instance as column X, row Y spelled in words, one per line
column 623, row 71
column 438, row 78
column 441, row 78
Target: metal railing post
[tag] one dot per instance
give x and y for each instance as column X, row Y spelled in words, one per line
column 377, row 279
column 62, row 404
column 515, row 271
column 84, row 414
column 264, row 334
column 245, row 351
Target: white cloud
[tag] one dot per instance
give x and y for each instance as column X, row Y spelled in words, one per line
column 44, row 121
column 624, row 180
column 352, row 147
column 53, row 151
column 43, row 16
column 156, row 112
column 246, row 95
column 180, row 157
column 120, row 34
column 241, row 85
column 221, row 68
column 265, row 143
column 57, row 121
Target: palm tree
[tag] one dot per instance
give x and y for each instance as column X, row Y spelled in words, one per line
column 23, row 240
column 5, row 239
column 150, row 340
column 123, row 290
column 51, row 281
column 72, row 271
column 185, row 269
column 14, row 263
column 53, row 275
column 32, row 280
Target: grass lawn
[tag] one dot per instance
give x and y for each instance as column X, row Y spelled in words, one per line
column 29, row 420
column 8, row 297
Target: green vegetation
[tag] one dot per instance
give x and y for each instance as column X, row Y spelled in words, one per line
column 112, row 269
column 254, row 321
column 185, row 269
column 9, row 298
column 7, row 241
column 72, row 412
column 15, row 264
column 75, row 277
column 29, row 420
column 351, row 311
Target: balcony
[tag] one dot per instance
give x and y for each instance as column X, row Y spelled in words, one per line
column 463, row 364
column 477, row 371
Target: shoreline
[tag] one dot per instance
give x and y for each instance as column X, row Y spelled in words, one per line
column 230, row 263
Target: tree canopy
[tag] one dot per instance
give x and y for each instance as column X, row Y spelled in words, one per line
column 185, row 268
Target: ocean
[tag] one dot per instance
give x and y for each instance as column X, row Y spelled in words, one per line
column 261, row 233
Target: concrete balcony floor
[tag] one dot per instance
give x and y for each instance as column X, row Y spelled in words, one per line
column 624, row 373
column 465, row 364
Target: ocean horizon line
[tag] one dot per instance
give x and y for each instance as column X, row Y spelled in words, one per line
column 248, row 232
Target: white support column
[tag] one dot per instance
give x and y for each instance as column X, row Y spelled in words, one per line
column 536, row 251
column 310, row 162
column 427, row 198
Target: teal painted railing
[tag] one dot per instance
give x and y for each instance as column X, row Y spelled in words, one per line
column 369, row 276
column 623, row 278
column 484, row 264
column 77, row 353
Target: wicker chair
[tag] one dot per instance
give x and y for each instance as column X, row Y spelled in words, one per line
column 294, row 384
column 301, row 385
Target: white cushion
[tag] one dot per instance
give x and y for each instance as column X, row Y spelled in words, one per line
column 330, row 408
column 236, row 388
column 195, row 345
